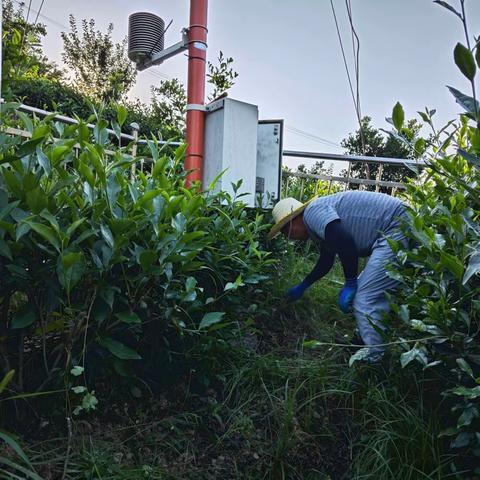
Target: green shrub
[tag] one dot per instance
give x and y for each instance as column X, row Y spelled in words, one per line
column 54, row 96
column 438, row 299
column 100, row 270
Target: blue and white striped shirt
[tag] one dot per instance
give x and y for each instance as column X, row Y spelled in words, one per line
column 365, row 215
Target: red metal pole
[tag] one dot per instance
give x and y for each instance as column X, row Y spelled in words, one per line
column 197, row 56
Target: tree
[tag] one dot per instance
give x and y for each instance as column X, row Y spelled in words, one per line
column 169, row 106
column 376, row 145
column 101, row 69
column 22, row 53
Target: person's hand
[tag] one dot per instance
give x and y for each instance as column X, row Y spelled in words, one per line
column 347, row 294
column 296, row 292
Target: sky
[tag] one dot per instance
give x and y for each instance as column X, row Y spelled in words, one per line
column 289, row 62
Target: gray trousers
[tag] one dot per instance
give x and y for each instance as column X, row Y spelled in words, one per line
column 370, row 303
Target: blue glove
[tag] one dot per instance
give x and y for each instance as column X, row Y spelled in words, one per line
column 296, row 292
column 347, row 294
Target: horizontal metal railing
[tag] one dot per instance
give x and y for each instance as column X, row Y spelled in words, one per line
column 378, row 183
column 352, row 158
column 346, row 180
column 62, row 118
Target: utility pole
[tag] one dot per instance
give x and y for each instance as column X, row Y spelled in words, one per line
column 197, row 55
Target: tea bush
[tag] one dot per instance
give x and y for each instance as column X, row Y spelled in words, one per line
column 438, row 302
column 105, row 273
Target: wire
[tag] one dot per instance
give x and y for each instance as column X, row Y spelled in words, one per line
column 343, row 53
column 38, row 13
column 311, row 136
column 356, row 59
column 356, row 56
column 161, row 37
column 28, row 12
column 51, row 20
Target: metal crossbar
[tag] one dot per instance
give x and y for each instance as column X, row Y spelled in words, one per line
column 378, row 182
column 333, row 178
column 353, row 158
column 73, row 121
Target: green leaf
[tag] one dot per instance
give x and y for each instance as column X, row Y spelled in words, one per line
column 36, row 200
column 465, row 61
column 71, row 229
column 415, row 353
column 29, row 147
column 107, row 235
column 210, row 319
column 46, row 232
column 452, row 263
column 119, row 349
column 97, row 163
column 398, row 116
column 148, row 196
column 472, row 159
column 70, row 269
column 57, row 153
column 71, row 258
column 448, row 7
column 477, row 55
column 130, row 318
column 24, row 317
column 147, row 258
column 159, row 166
column 6, row 380
column 190, row 284
column 420, row 146
column 467, row 416
column 470, row 393
column 121, row 114
column 359, row 356
column 473, row 267
column 13, row 444
column 469, row 104
column 86, row 172
column 26, row 121
column 43, row 160
column 462, row 440
column 153, row 149
column 465, row 367
column 179, row 223
column 77, row 370
column 117, row 129
column 5, row 249
column 79, row 389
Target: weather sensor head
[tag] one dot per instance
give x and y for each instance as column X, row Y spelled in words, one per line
column 145, row 36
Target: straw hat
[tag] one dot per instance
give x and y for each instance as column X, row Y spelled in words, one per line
column 284, row 211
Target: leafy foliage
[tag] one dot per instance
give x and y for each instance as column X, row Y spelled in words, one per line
column 306, row 188
column 169, row 105
column 100, row 68
column 222, row 76
column 438, row 301
column 371, row 142
column 113, row 271
column 21, row 49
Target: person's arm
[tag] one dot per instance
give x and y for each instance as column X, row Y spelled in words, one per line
column 339, row 240
column 322, row 267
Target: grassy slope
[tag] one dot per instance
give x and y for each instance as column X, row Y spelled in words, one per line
column 275, row 410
